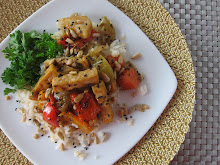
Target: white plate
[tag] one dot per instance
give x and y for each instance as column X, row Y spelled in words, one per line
column 160, row 79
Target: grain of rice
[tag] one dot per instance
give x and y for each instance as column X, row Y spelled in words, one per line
column 105, row 77
column 122, row 119
column 67, row 32
column 78, row 98
column 144, row 106
column 7, row 97
column 122, row 37
column 67, row 51
column 57, row 35
column 71, row 51
column 80, row 54
column 80, row 155
column 117, row 66
column 40, row 131
column 130, row 122
column 136, row 56
column 60, row 135
column 120, row 59
column 36, row 123
column 96, row 34
column 75, row 51
column 122, row 70
column 96, row 140
column 69, row 62
column 36, row 136
column 104, row 137
column 74, row 35
column 23, row 119
column 69, row 41
column 48, row 92
column 142, row 90
column 20, row 110
column 89, row 140
column 61, row 147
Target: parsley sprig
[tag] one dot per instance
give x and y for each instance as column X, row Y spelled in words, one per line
column 27, row 51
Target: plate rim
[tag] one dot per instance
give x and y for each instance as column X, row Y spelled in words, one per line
column 5, row 41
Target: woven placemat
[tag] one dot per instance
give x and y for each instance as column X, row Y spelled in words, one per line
column 199, row 21
column 162, row 142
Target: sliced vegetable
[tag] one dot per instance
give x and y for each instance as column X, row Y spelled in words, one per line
column 83, row 126
column 50, row 113
column 63, row 101
column 129, row 79
column 107, row 31
column 102, row 65
column 87, row 108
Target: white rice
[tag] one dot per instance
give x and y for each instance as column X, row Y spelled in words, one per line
column 70, row 140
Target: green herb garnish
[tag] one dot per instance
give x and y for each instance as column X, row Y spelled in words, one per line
column 27, row 51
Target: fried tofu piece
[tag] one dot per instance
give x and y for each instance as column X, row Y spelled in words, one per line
column 107, row 113
column 100, row 92
column 102, row 97
column 44, row 82
column 72, row 81
column 81, row 25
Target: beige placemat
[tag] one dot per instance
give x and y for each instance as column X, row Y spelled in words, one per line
column 162, row 142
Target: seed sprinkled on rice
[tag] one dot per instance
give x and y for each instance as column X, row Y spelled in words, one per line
column 23, row 119
column 61, row 147
column 7, row 97
column 20, row 110
column 130, row 122
column 117, row 66
column 80, row 154
column 36, row 136
column 136, row 56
